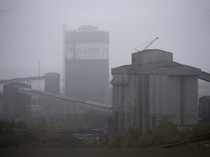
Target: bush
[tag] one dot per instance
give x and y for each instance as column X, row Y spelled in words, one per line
column 14, row 134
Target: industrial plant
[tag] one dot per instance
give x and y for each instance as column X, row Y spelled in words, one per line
column 140, row 96
column 86, row 63
column 115, row 78
column 155, row 87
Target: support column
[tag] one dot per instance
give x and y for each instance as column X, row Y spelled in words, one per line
column 115, row 108
column 143, row 103
column 182, row 97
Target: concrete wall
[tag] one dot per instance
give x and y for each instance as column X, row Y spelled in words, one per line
column 17, row 106
column 158, row 99
column 173, row 99
column 88, row 79
column 52, row 83
column 141, row 101
column 190, row 100
column 204, row 88
column 169, row 97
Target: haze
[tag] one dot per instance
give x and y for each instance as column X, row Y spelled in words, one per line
column 32, row 30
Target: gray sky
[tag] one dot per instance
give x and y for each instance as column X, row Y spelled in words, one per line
column 31, row 30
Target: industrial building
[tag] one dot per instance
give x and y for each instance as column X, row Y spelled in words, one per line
column 52, row 82
column 204, row 109
column 17, row 106
column 153, row 88
column 87, row 63
column 17, row 103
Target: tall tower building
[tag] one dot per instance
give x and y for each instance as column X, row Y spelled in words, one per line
column 87, row 63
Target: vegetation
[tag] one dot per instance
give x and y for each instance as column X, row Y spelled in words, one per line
column 165, row 133
column 14, row 133
column 17, row 134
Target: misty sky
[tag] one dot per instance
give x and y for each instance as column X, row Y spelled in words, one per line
column 32, row 30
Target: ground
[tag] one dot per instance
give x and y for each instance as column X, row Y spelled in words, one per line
column 193, row 150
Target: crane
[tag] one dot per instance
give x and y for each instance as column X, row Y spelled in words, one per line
column 148, row 45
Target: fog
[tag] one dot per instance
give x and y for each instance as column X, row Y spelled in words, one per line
column 67, row 80
column 32, row 30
